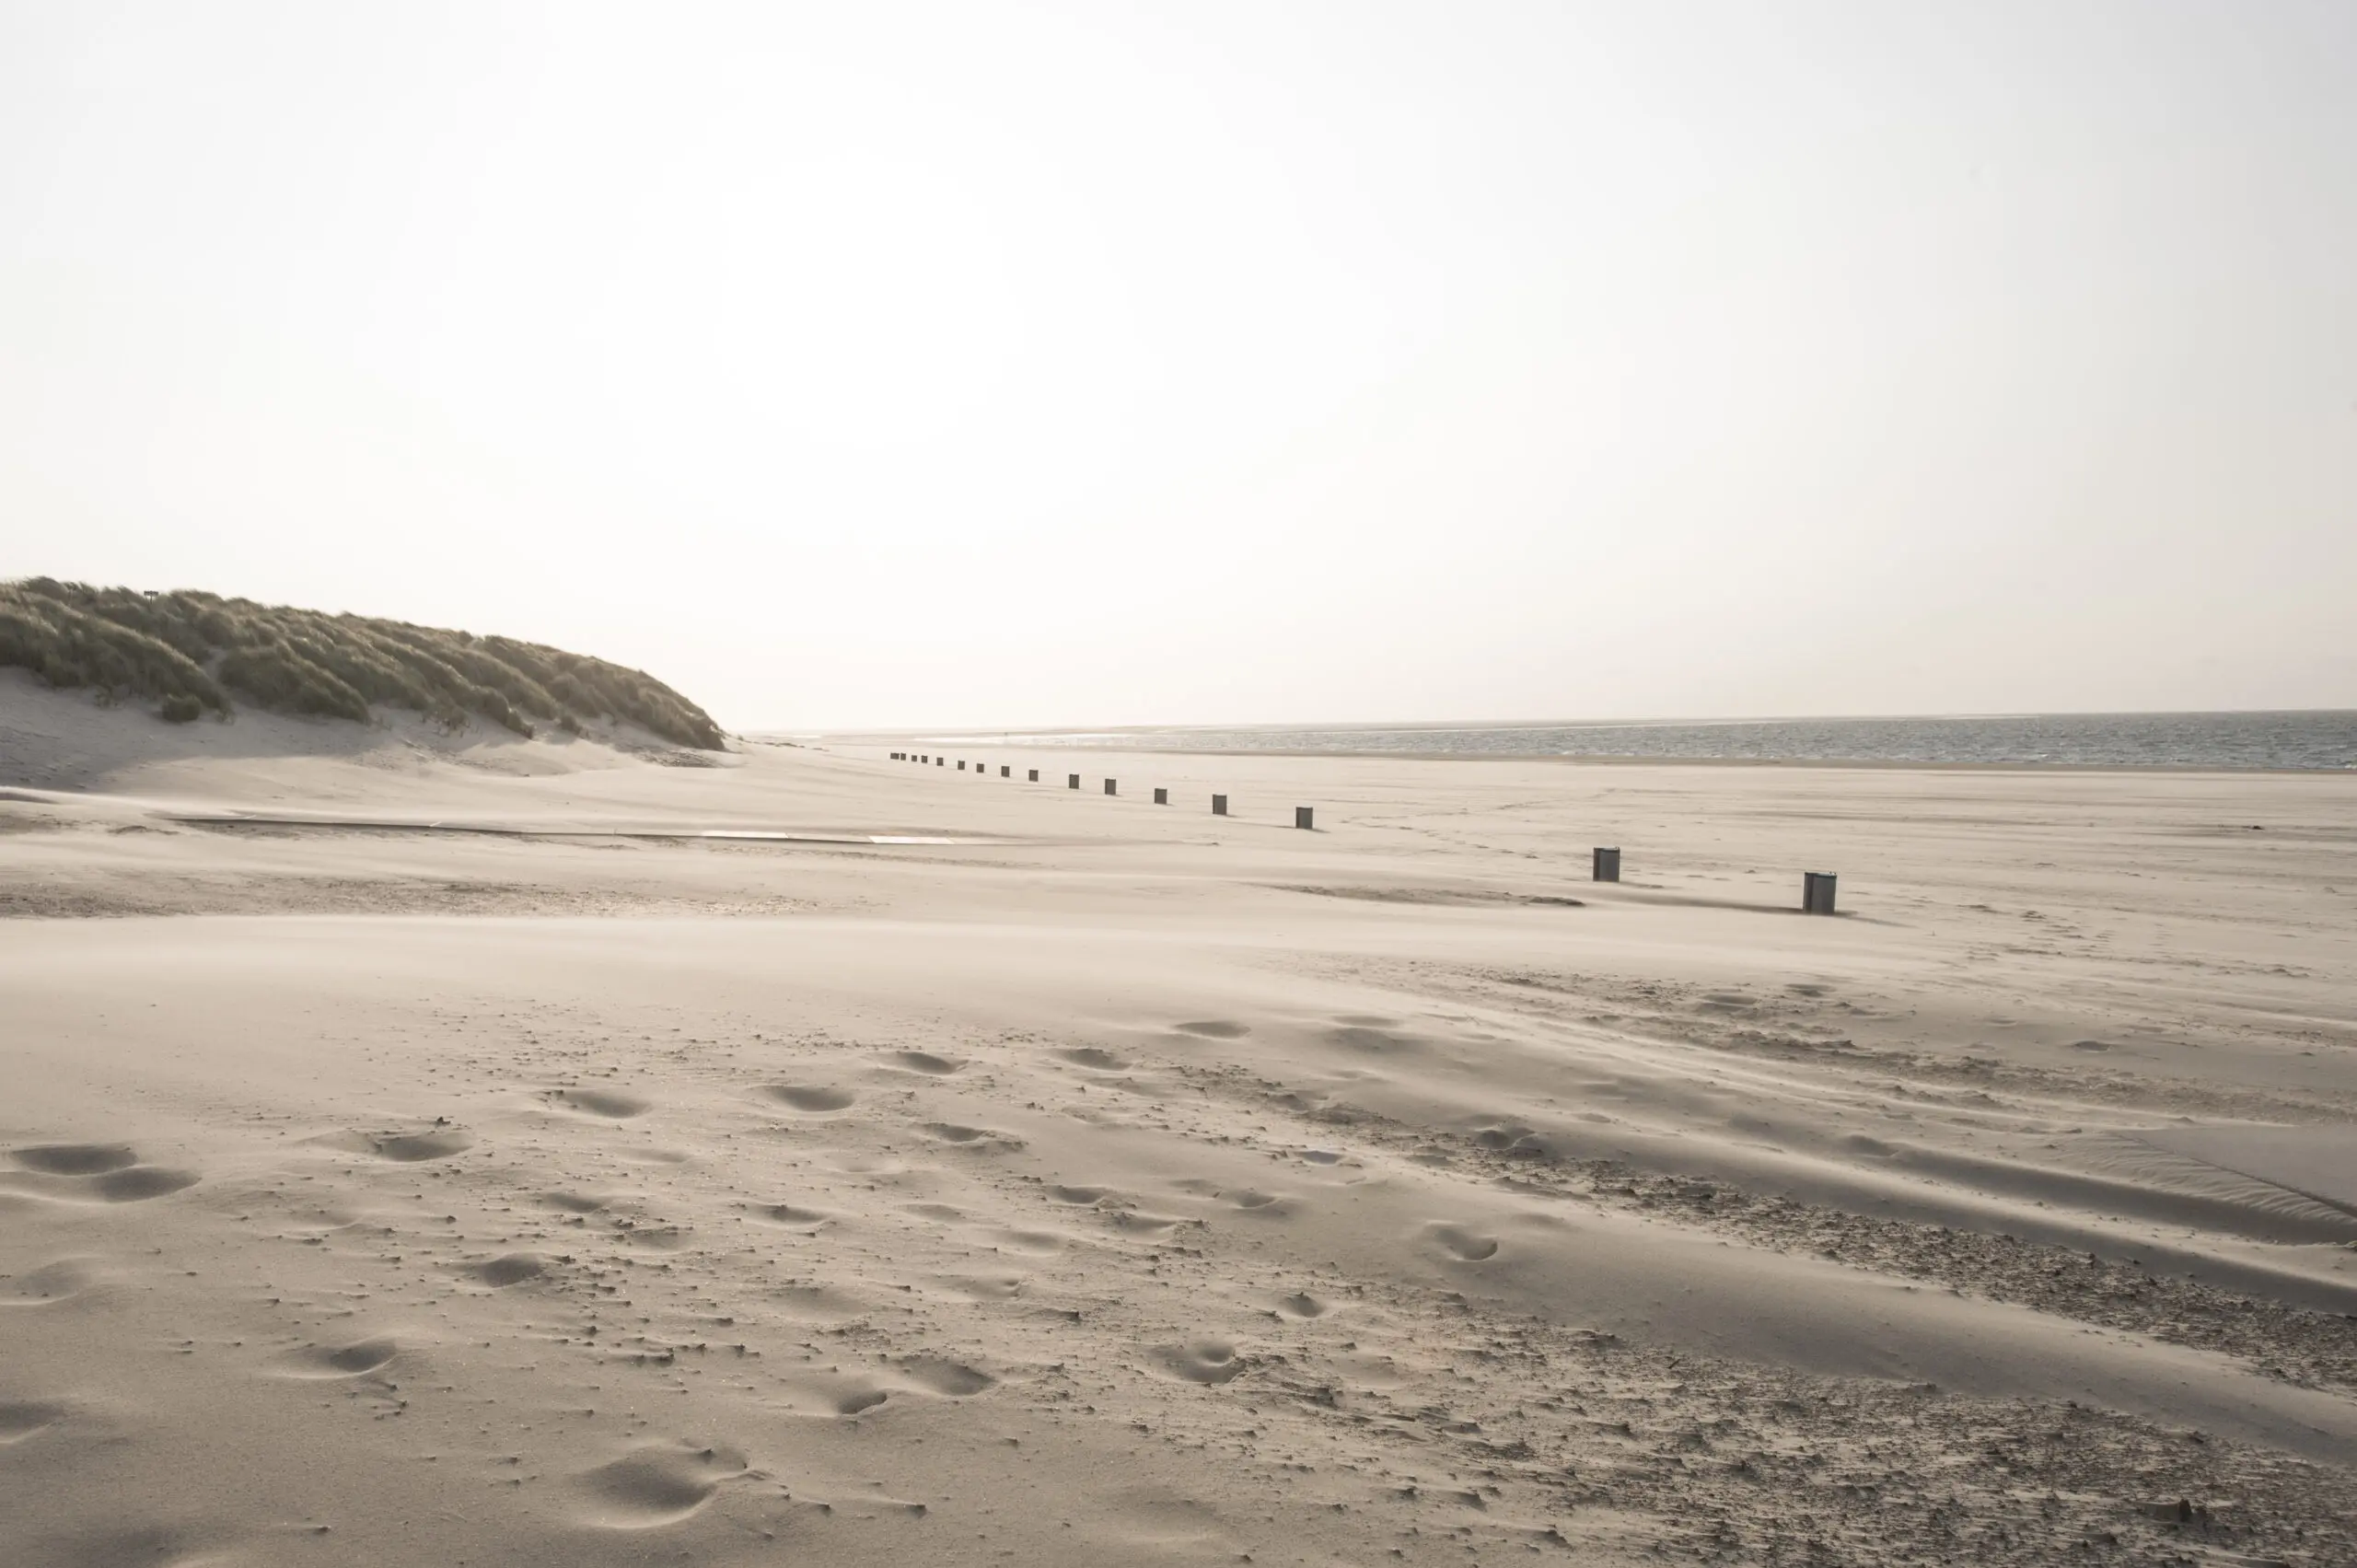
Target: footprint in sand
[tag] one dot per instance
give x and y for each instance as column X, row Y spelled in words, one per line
column 925, row 1062
column 124, row 1545
column 1301, row 1304
column 816, row 1303
column 61, row 1281
column 510, row 1269
column 1079, row 1197
column 602, row 1103
column 1511, row 1137
column 811, row 1099
column 94, row 1173
column 410, row 1148
column 1374, row 1041
column 574, row 1202
column 1214, row 1028
column 788, row 1214
column 1097, row 1060
column 327, row 1362
column 75, row 1159
column 660, row 1484
column 1208, row 1362
column 26, row 1419
column 140, row 1184
column 1030, row 1243
column 957, row 1135
column 950, row 1379
column 1143, row 1223
column 1467, row 1246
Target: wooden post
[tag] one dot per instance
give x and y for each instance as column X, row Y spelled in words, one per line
column 1301, row 816
column 1162, row 797
column 1035, row 775
column 1109, row 786
column 961, row 767
column 1219, row 806
column 1073, row 781
column 1607, row 864
column 1816, row 892
column 1005, row 771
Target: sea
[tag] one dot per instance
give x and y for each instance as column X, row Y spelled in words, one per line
column 2308, row 739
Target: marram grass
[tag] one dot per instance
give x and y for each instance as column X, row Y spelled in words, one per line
column 192, row 654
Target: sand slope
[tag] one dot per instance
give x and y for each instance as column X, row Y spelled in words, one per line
column 1120, row 1185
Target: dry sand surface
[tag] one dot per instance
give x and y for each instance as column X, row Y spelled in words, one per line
column 1112, row 1183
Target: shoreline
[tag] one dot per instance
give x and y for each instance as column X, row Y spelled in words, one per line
column 836, row 745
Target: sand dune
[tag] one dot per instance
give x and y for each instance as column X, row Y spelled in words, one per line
column 1114, row 1183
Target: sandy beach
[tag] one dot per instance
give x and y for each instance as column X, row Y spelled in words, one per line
column 504, row 1173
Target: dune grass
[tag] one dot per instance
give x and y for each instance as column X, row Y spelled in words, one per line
column 191, row 653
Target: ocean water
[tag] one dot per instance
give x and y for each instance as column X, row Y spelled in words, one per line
column 2309, row 739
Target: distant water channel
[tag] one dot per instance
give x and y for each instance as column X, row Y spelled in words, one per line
column 2310, row 739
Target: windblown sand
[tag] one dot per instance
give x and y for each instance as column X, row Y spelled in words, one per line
column 1118, row 1184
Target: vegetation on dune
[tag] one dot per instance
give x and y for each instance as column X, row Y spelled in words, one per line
column 189, row 652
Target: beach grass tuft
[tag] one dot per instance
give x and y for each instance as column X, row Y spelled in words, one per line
column 189, row 653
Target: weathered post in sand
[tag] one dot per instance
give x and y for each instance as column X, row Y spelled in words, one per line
column 1219, row 806
column 1607, row 864
column 961, row 766
column 1162, row 797
column 1005, row 771
column 1108, row 787
column 1071, row 780
column 1302, row 816
column 1816, row 892
column 1035, row 775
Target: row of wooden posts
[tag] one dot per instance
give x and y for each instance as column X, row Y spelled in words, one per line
column 1303, row 816
column 1816, row 886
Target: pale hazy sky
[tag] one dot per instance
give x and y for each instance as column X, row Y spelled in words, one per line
column 865, row 364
